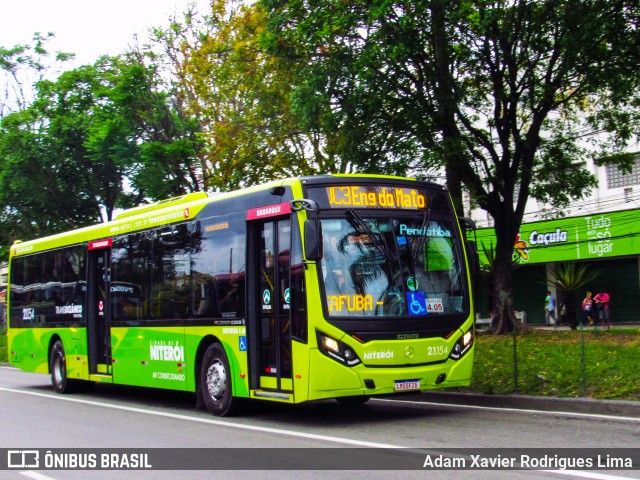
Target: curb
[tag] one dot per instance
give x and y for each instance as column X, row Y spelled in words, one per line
column 526, row 402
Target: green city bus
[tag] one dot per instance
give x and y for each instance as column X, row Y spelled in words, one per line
column 331, row 286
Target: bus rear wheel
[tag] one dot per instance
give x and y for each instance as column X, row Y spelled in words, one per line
column 215, row 381
column 58, row 369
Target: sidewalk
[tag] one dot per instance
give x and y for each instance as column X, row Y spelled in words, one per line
column 617, row 326
column 482, row 325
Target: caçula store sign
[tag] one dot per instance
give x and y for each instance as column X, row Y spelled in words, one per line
column 604, row 235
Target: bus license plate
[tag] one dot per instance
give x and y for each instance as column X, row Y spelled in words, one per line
column 403, row 385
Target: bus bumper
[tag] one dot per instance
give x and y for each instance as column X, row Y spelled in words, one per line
column 332, row 379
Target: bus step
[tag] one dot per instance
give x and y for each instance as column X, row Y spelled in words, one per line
column 266, row 394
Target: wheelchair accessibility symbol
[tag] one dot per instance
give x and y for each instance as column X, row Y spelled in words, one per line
column 416, row 303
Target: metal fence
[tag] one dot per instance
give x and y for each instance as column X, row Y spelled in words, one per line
column 587, row 362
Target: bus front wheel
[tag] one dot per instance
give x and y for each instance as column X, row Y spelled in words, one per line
column 215, row 381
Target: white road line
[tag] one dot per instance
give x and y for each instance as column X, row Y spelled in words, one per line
column 210, row 421
column 515, row 410
column 36, row 476
column 594, row 475
column 473, row 407
column 291, row 433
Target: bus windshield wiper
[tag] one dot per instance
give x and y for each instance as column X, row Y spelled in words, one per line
column 358, row 222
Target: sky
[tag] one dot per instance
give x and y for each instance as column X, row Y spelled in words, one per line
column 88, row 28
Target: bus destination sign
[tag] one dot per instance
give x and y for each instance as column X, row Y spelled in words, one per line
column 368, row 196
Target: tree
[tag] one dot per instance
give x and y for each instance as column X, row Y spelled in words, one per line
column 243, row 97
column 569, row 279
column 164, row 149
column 246, row 104
column 39, row 193
column 496, row 90
column 237, row 94
column 99, row 137
column 21, row 67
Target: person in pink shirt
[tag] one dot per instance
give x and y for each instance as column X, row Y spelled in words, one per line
column 602, row 303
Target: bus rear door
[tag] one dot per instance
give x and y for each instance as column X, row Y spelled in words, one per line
column 98, row 309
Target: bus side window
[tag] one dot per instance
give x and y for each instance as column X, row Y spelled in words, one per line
column 207, row 300
column 218, row 264
column 171, row 273
column 129, row 277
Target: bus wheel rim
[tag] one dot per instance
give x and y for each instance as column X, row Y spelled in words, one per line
column 57, row 370
column 216, row 379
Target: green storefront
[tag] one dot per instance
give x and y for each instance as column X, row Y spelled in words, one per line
column 608, row 242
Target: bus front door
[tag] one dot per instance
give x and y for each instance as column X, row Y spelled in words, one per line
column 98, row 314
column 270, row 317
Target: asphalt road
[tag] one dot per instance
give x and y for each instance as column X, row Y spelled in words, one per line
column 112, row 417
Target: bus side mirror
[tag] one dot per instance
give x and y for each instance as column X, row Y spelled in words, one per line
column 312, row 240
column 467, row 224
column 473, row 258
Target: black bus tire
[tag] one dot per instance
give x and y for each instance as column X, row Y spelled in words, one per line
column 58, row 369
column 215, row 381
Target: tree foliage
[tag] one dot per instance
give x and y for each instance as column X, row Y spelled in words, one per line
column 239, row 96
column 97, row 138
column 569, row 279
column 255, row 112
column 21, row 66
column 499, row 91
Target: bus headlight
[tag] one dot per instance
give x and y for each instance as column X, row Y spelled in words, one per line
column 337, row 350
column 462, row 346
column 330, row 344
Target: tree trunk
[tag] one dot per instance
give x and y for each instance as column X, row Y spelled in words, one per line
column 570, row 312
column 502, row 302
column 454, row 185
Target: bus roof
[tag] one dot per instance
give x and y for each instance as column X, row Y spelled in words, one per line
column 156, row 214
column 174, row 210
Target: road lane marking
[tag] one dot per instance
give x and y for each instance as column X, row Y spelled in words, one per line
column 36, row 476
column 599, row 416
column 210, row 421
column 291, row 433
column 480, row 407
column 594, row 475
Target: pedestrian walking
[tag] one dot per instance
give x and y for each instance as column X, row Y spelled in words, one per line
column 602, row 300
column 587, row 309
column 550, row 308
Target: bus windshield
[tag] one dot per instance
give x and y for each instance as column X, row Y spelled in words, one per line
column 392, row 266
